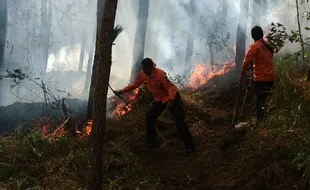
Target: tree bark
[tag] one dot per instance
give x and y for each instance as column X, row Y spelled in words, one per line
column 45, row 32
column 190, row 36
column 102, row 69
column 89, row 63
column 3, row 30
column 241, row 33
column 139, row 42
column 100, row 11
column 256, row 14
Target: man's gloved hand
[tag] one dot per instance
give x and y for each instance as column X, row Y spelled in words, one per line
column 170, row 104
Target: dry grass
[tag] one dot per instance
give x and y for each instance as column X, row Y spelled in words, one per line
column 266, row 158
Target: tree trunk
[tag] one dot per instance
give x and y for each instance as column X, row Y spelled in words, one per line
column 241, row 33
column 139, row 42
column 89, row 63
column 82, row 50
column 256, row 13
column 302, row 44
column 100, row 11
column 212, row 60
column 82, row 53
column 45, row 31
column 225, row 8
column 190, row 36
column 3, row 30
column 102, row 72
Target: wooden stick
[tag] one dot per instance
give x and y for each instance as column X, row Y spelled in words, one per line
column 58, row 128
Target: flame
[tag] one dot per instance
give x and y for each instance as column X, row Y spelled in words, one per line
column 123, row 108
column 203, row 73
column 88, row 127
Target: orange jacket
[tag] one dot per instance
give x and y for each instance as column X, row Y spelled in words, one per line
column 158, row 84
column 262, row 59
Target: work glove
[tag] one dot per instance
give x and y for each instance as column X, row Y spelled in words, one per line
column 170, row 104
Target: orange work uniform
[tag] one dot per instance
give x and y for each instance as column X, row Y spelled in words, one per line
column 158, row 84
column 262, row 59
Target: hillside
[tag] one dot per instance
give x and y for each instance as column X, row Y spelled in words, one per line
column 273, row 156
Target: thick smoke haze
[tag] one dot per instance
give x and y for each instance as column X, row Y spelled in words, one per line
column 166, row 40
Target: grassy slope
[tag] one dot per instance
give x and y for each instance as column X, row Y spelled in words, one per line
column 266, row 158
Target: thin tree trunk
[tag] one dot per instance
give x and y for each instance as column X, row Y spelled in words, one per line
column 302, row 44
column 256, row 12
column 3, row 30
column 45, row 30
column 82, row 50
column 100, row 11
column 212, row 60
column 225, row 9
column 241, row 33
column 190, row 36
column 102, row 69
column 139, row 42
column 82, row 53
column 89, row 64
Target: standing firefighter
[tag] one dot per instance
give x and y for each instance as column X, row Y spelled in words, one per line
column 166, row 96
column 261, row 54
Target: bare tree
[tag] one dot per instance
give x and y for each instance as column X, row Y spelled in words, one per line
column 3, row 29
column 45, row 32
column 89, row 63
column 102, row 69
column 139, row 43
column 241, row 33
column 191, row 34
column 256, row 12
column 82, row 52
column 225, row 8
column 302, row 43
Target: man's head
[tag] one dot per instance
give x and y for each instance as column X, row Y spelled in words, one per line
column 257, row 33
column 147, row 66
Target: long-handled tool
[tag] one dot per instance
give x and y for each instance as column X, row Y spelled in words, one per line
column 119, row 96
column 236, row 108
column 249, row 82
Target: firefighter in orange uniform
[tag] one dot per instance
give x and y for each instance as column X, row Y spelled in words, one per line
column 166, row 96
column 261, row 54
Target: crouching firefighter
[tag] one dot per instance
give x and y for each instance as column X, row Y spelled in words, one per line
column 166, row 96
column 260, row 53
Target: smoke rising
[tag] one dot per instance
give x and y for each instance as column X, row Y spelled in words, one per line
column 167, row 34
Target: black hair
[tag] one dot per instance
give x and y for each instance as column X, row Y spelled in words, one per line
column 257, row 33
column 147, row 62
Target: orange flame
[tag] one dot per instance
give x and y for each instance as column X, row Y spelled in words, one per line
column 88, row 127
column 202, row 74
